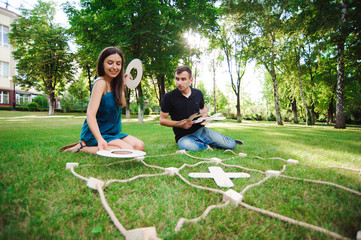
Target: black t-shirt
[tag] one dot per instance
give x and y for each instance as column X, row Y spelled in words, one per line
column 179, row 107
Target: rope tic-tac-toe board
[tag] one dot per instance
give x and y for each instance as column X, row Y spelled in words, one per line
column 223, row 179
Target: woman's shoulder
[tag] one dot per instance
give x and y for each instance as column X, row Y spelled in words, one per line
column 99, row 85
column 99, row 82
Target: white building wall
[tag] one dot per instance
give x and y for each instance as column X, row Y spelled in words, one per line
column 6, row 18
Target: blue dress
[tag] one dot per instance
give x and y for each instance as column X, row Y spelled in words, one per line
column 108, row 119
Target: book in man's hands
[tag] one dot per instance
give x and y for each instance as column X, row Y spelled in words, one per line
column 203, row 120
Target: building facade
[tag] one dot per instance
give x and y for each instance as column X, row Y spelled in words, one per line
column 10, row 94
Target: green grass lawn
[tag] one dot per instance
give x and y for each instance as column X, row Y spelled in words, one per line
column 41, row 200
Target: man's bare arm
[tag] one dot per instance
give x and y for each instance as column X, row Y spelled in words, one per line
column 164, row 121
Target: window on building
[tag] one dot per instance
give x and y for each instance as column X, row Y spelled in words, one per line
column 4, row 36
column 4, row 69
column 4, row 97
column 22, row 98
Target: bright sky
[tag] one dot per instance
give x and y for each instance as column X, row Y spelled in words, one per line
column 251, row 82
column 60, row 17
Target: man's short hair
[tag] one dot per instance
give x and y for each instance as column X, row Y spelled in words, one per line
column 183, row 68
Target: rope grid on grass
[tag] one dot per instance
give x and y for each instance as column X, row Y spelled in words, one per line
column 99, row 185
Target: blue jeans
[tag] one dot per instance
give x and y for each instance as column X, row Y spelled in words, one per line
column 203, row 138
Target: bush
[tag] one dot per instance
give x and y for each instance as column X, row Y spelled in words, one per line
column 6, row 108
column 66, row 107
column 42, row 101
column 271, row 117
column 21, row 108
column 322, row 118
column 147, row 111
column 33, row 106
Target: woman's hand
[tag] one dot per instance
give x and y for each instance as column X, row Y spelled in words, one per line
column 125, row 79
column 102, row 145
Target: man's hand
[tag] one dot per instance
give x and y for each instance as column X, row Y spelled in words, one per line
column 185, row 124
column 204, row 112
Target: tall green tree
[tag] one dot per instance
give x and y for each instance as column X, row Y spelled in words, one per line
column 41, row 51
column 234, row 44
column 79, row 89
column 151, row 30
column 338, row 24
column 265, row 21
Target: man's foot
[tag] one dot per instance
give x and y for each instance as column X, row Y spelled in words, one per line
column 238, row 142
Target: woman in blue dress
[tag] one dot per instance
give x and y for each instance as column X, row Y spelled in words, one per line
column 102, row 128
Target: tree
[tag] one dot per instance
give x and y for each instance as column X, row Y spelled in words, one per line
column 79, row 90
column 334, row 23
column 41, row 51
column 234, row 45
column 264, row 21
column 215, row 61
column 149, row 30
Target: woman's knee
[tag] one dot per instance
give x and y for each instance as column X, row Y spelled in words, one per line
column 139, row 145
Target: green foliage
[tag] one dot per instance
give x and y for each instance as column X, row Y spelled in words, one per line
column 5, row 108
column 149, row 30
column 147, row 111
column 42, row 101
column 41, row 51
column 70, row 103
column 33, row 106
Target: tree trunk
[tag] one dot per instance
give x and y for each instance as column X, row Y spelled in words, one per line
column 127, row 106
column 276, row 97
column 308, row 120
column 89, row 78
column 313, row 114
column 140, row 103
column 239, row 115
column 294, row 110
column 51, row 101
column 330, row 111
column 213, row 62
column 300, row 82
column 161, row 87
column 340, row 115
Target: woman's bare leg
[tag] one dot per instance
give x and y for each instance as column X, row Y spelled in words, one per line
column 78, row 148
column 136, row 143
column 128, row 142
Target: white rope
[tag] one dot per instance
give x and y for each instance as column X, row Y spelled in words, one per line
column 203, row 216
column 151, row 166
column 323, row 182
column 207, row 211
column 132, row 179
column 292, row 221
column 200, row 187
column 254, row 185
column 110, row 211
column 243, row 168
column 196, row 157
column 192, row 165
column 273, row 158
column 77, row 175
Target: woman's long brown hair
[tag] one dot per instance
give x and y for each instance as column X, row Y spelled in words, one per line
column 117, row 83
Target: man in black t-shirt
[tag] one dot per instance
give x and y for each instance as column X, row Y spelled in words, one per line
column 180, row 104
